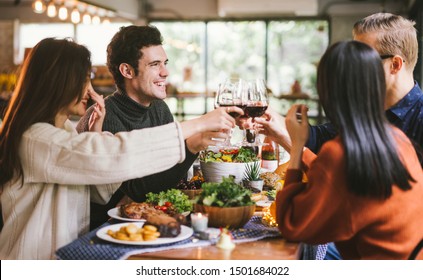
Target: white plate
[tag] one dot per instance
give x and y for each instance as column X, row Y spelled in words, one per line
column 264, row 203
column 186, row 232
column 115, row 213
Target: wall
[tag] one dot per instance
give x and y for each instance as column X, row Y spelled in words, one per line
column 6, row 45
column 343, row 30
column 417, row 15
column 182, row 9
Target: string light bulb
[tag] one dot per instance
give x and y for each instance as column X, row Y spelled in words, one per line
column 86, row 18
column 96, row 20
column 51, row 9
column 63, row 12
column 268, row 219
column 38, row 6
column 75, row 16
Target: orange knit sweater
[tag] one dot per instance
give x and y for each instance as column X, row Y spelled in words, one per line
column 323, row 210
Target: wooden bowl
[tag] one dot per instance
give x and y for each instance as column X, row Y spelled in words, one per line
column 192, row 193
column 230, row 217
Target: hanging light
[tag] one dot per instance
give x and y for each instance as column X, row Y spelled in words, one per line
column 51, row 9
column 38, row 7
column 92, row 13
column 75, row 16
column 63, row 12
column 108, row 14
column 86, row 18
column 96, row 20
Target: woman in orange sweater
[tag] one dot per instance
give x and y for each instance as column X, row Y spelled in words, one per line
column 365, row 187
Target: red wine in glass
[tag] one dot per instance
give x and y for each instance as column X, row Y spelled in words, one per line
column 257, row 103
column 255, row 111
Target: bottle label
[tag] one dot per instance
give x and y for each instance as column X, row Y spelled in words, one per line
column 270, row 165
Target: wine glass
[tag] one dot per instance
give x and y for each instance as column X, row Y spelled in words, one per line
column 225, row 93
column 230, row 93
column 256, row 105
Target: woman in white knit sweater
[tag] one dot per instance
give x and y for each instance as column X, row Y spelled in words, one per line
column 48, row 170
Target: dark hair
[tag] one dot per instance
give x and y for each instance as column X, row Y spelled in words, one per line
column 53, row 76
column 126, row 47
column 351, row 86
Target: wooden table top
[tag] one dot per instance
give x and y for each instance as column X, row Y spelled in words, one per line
column 265, row 249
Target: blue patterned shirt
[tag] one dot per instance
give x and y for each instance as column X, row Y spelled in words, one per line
column 407, row 115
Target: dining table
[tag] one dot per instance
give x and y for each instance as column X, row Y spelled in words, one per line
column 254, row 241
column 263, row 249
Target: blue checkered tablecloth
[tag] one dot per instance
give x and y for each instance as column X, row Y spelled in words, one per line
column 90, row 247
column 314, row 252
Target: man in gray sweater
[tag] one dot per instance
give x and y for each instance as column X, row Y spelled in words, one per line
column 137, row 61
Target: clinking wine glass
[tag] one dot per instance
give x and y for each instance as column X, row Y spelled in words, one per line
column 256, row 105
column 230, row 93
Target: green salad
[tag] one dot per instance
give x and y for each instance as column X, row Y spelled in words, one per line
column 224, row 194
column 176, row 198
column 243, row 154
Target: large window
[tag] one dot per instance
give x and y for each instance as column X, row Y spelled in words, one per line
column 284, row 52
column 184, row 45
column 235, row 49
column 31, row 34
column 205, row 53
column 294, row 49
column 94, row 37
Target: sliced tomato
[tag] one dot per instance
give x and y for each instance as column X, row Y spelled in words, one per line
column 229, row 151
column 168, row 204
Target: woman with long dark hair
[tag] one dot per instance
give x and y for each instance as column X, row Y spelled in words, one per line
column 47, row 168
column 365, row 187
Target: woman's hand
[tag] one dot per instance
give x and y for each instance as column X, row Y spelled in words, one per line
column 297, row 125
column 217, row 120
column 203, row 140
column 95, row 123
column 272, row 124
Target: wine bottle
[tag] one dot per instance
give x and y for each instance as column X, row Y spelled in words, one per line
column 270, row 155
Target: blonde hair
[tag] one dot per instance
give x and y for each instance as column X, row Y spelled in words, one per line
column 395, row 35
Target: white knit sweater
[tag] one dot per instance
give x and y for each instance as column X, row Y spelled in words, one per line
column 51, row 209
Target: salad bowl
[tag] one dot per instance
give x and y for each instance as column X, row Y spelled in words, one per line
column 227, row 217
column 226, row 163
column 227, row 204
column 215, row 171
